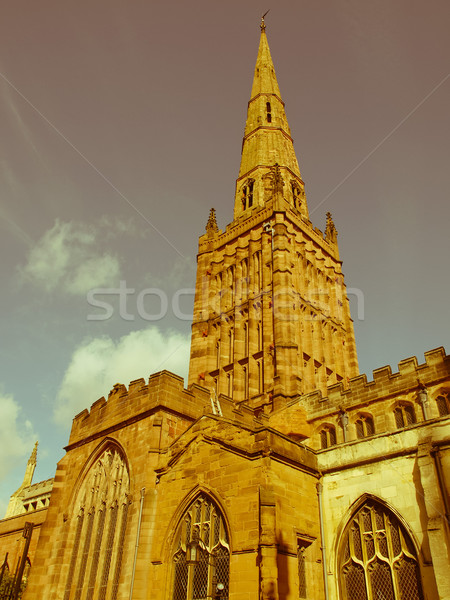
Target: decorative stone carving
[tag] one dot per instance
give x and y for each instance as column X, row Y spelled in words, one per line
column 211, row 225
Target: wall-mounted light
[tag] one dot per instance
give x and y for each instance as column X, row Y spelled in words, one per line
column 218, row 588
column 193, row 549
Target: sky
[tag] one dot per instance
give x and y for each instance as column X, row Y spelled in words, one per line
column 121, row 126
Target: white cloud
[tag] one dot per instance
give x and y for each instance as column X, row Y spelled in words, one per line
column 16, row 443
column 96, row 271
column 67, row 258
column 98, row 364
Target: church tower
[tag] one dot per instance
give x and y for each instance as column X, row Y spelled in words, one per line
column 271, row 313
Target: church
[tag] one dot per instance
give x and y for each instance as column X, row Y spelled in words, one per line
column 280, row 472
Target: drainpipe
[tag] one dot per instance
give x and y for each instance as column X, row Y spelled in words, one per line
column 137, row 541
column 322, row 539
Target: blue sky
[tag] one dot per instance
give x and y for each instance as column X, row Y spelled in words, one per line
column 121, row 126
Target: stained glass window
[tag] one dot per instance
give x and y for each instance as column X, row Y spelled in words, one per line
column 98, row 530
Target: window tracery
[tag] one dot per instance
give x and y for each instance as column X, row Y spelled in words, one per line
column 98, row 530
column 378, row 558
column 203, row 521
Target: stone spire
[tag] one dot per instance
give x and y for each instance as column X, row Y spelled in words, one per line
column 267, row 140
column 31, row 466
column 271, row 316
column 15, row 505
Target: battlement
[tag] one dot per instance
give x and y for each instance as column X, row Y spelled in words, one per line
column 164, row 390
column 410, row 375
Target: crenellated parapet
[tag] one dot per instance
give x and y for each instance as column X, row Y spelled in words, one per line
column 164, row 392
column 391, row 401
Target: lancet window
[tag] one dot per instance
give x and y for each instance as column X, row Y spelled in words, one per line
column 202, row 532
column 295, row 194
column 257, row 272
column 244, row 280
column 247, row 194
column 302, row 549
column 378, row 558
column 98, row 530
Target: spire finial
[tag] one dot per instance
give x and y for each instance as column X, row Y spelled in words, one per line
column 34, row 453
column 211, row 225
column 263, row 25
column 330, row 230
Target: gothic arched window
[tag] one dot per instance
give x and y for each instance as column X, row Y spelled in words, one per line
column 364, row 426
column 404, row 415
column 204, row 522
column 327, row 436
column 378, row 559
column 98, row 530
column 247, row 194
column 443, row 405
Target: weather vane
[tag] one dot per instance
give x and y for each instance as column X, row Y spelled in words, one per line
column 263, row 25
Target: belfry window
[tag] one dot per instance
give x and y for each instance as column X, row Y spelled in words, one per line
column 404, row 416
column 247, row 194
column 269, row 112
column 378, row 558
column 364, row 426
column 202, row 533
column 99, row 530
column 295, row 195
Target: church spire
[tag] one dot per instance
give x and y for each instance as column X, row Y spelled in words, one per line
column 267, row 141
column 31, row 466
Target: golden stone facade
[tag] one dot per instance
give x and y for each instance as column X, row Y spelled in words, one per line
column 280, row 473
